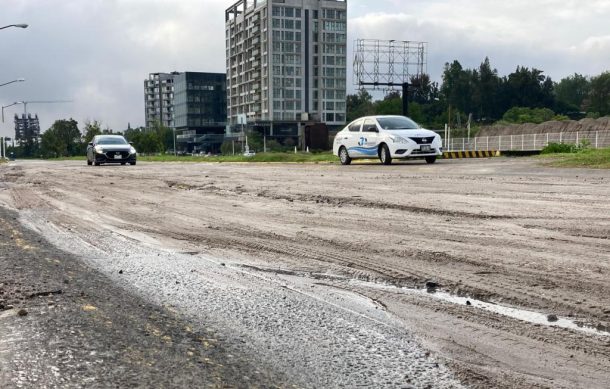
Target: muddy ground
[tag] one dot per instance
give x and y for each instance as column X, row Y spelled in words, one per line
column 334, row 276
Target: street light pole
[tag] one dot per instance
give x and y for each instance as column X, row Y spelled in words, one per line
column 20, row 25
column 10, row 82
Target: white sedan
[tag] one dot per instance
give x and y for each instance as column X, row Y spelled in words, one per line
column 386, row 137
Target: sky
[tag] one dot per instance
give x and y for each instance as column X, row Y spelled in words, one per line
column 97, row 53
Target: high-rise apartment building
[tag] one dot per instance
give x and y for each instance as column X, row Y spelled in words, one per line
column 286, row 61
column 158, row 99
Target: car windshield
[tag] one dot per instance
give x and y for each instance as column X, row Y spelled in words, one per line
column 112, row 141
column 397, row 123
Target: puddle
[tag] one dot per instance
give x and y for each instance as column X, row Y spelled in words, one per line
column 515, row 313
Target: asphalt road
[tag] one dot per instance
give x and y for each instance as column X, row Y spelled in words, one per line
column 482, row 273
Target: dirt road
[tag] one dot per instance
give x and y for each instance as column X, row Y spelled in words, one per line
column 360, row 275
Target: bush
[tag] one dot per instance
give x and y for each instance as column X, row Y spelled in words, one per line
column 559, row 148
column 226, row 148
column 521, row 115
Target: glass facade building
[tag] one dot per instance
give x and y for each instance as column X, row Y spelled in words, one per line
column 200, row 111
column 193, row 104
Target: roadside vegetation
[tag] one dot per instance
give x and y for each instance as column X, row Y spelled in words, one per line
column 570, row 155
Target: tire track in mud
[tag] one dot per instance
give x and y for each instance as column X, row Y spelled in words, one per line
column 520, row 281
column 337, row 200
column 414, row 272
column 472, row 281
column 475, row 285
column 482, row 343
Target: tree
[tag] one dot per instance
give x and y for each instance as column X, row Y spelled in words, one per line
column 390, row 105
column 165, row 135
column 599, row 95
column 145, row 141
column 92, row 128
column 572, row 91
column 522, row 115
column 227, row 147
column 63, row 139
column 529, row 88
column 487, row 89
column 422, row 90
column 457, row 86
column 360, row 104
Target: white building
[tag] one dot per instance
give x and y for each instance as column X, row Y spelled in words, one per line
column 286, row 62
column 159, row 99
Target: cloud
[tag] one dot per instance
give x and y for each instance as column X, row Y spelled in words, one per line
column 98, row 52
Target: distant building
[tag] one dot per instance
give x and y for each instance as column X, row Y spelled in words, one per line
column 27, row 128
column 286, row 63
column 194, row 104
column 159, row 99
column 200, row 111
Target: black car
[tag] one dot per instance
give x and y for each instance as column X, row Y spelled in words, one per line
column 110, row 149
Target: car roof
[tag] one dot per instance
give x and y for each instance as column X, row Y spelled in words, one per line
column 109, row 136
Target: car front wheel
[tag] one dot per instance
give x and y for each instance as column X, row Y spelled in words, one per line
column 430, row 159
column 384, row 155
column 344, row 156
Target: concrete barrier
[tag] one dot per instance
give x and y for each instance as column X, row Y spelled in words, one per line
column 471, row 154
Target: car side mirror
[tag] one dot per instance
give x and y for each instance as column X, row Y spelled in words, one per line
column 90, row 143
column 131, row 143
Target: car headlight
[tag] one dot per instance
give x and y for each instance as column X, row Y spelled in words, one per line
column 132, row 150
column 399, row 139
column 99, row 150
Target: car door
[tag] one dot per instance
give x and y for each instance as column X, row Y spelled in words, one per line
column 369, row 138
column 352, row 137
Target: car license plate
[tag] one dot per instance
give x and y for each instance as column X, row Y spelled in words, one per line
column 118, row 156
column 425, row 148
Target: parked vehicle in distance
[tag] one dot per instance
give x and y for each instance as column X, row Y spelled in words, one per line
column 110, row 149
column 249, row 154
column 386, row 137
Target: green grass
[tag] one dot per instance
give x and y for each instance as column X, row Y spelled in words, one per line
column 587, row 158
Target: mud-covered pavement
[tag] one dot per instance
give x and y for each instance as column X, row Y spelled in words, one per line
column 318, row 273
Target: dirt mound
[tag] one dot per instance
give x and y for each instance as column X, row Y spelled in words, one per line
column 601, row 124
